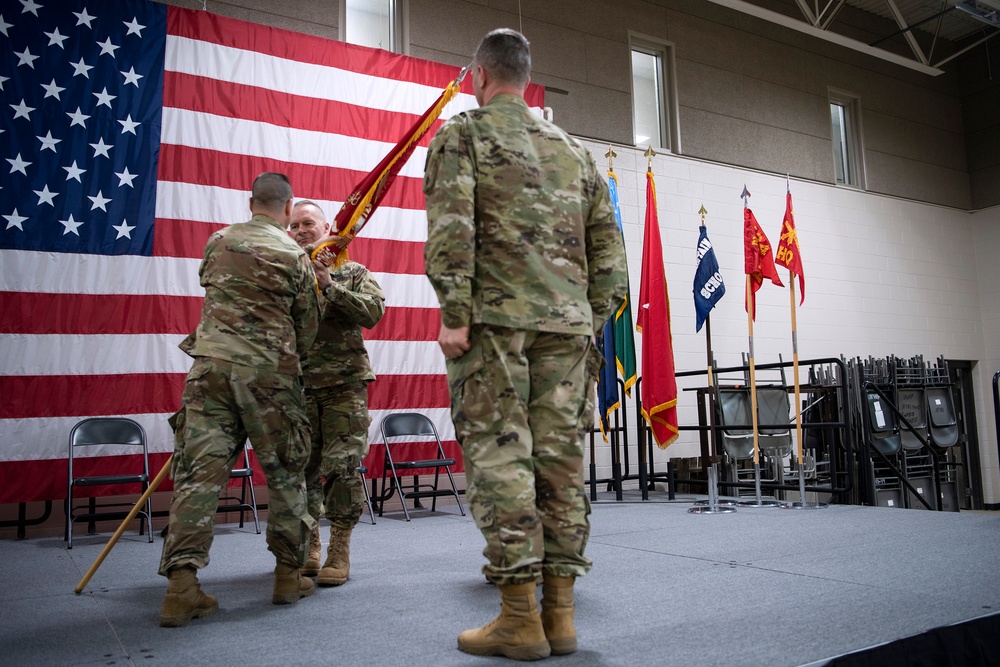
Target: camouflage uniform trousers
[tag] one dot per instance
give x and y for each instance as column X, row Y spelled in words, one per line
column 521, row 402
column 223, row 404
column 340, row 421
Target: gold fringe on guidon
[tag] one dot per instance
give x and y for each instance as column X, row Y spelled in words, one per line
column 362, row 207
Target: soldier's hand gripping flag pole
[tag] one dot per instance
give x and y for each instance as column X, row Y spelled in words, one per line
column 121, row 529
column 366, row 195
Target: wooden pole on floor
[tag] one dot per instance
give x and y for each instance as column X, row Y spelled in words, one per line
column 121, row 529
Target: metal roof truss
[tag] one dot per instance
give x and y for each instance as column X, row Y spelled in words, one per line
column 960, row 24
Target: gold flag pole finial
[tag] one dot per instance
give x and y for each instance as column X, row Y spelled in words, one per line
column 611, row 155
column 702, row 212
column 649, row 158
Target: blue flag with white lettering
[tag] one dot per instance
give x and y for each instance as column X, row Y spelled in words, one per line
column 708, row 285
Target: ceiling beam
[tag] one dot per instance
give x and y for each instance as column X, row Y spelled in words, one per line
column 948, row 7
column 833, row 13
column 810, row 17
column 907, row 32
column 967, row 48
column 826, row 35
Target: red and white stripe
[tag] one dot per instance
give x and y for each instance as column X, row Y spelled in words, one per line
column 86, row 335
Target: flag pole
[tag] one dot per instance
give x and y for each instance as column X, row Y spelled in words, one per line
column 646, row 444
column 802, row 504
column 366, row 195
column 713, row 506
column 753, row 383
column 795, row 373
column 753, row 376
column 753, row 394
column 795, row 360
column 710, row 362
column 121, row 529
column 708, row 318
column 795, row 376
column 615, row 454
column 611, row 155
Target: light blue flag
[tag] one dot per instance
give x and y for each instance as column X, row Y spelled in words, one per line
column 624, row 352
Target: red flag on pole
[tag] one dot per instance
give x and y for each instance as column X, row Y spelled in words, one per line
column 659, row 385
column 758, row 263
column 788, row 253
column 366, row 195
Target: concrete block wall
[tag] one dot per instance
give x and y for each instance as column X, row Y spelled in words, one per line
column 981, row 119
column 750, row 93
column 986, row 241
column 884, row 276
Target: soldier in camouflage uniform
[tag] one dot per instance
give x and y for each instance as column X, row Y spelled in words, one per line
column 526, row 258
column 259, row 318
column 336, row 375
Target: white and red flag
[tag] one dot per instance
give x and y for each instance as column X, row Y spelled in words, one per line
column 129, row 132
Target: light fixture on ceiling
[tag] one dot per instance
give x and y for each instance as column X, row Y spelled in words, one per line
column 987, row 11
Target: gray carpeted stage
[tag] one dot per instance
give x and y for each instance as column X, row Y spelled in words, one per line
column 762, row 586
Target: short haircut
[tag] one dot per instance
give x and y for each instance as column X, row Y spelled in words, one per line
column 309, row 202
column 506, row 55
column 271, row 189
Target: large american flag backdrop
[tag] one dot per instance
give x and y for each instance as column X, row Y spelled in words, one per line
column 129, row 132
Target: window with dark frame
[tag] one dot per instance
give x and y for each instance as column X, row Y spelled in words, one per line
column 654, row 98
column 845, row 137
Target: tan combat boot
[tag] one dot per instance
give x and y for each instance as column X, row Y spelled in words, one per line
column 557, row 613
column 184, row 599
column 337, row 567
column 516, row 633
column 290, row 586
column 311, row 568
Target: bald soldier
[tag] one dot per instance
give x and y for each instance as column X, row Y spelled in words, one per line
column 526, row 258
column 336, row 377
column 259, row 318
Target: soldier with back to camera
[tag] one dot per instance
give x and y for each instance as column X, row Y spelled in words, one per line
column 259, row 317
column 526, row 258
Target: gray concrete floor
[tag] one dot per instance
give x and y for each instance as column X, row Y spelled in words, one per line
column 761, row 586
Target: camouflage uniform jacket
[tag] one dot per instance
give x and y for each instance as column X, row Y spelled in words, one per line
column 521, row 232
column 260, row 305
column 338, row 356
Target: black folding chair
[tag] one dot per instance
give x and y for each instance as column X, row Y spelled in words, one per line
column 410, row 425
column 119, row 432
